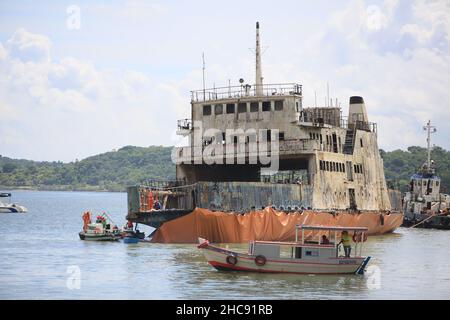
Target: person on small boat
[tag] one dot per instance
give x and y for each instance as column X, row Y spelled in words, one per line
column 157, row 205
column 346, row 241
column 325, row 240
column 129, row 225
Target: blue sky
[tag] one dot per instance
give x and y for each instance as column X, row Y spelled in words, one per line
column 124, row 76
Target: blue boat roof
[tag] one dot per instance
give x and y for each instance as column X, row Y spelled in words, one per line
column 424, row 176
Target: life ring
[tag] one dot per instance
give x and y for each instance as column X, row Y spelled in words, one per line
column 231, row 260
column 260, row 260
column 359, row 238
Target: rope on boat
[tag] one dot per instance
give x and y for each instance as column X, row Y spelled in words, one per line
column 423, row 220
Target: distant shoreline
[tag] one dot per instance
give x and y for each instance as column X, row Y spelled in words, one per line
column 57, row 188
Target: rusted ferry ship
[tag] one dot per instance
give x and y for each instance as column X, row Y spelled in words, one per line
column 259, row 162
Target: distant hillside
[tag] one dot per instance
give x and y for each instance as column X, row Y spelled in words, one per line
column 113, row 171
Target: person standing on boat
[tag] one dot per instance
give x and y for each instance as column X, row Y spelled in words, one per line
column 346, row 241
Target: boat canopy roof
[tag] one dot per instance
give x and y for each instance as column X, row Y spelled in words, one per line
column 332, row 228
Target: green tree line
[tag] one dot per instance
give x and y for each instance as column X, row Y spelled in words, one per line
column 110, row 171
column 113, row 171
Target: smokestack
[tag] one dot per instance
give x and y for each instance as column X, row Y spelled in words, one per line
column 357, row 110
column 259, row 78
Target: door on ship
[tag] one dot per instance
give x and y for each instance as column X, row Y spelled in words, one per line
column 335, row 145
column 351, row 195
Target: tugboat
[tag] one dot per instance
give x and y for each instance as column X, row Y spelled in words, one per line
column 102, row 229
column 10, row 207
column 316, row 251
column 424, row 205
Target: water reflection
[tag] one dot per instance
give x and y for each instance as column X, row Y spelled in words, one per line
column 38, row 247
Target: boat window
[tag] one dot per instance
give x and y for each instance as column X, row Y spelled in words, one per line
column 266, row 106
column 230, row 107
column 242, row 107
column 218, row 109
column 298, row 252
column 327, row 166
column 437, row 183
column 278, row 105
column 281, row 136
column 254, row 106
column 311, row 253
column 207, row 110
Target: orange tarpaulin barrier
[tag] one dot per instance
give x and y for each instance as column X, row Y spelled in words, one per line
column 267, row 224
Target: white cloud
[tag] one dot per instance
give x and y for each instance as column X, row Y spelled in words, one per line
column 27, row 46
column 71, row 109
column 395, row 53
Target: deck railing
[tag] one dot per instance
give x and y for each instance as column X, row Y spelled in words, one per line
column 237, row 92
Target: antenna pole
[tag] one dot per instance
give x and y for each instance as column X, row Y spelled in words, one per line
column 203, row 58
column 328, row 95
column 259, row 78
column 429, row 129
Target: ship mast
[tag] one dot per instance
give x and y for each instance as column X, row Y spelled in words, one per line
column 430, row 129
column 259, row 78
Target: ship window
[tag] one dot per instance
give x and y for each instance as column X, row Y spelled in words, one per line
column 279, row 105
column 328, row 166
column 281, row 137
column 437, row 183
column 218, row 109
column 207, row 110
column 297, row 106
column 360, row 141
column 266, row 106
column 254, row 106
column 333, row 166
column 242, row 107
column 269, row 135
column 321, row 164
column 230, row 107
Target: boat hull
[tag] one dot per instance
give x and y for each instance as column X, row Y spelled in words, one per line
column 98, row 237
column 267, row 224
column 217, row 257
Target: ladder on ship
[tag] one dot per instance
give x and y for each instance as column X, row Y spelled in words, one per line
column 350, row 141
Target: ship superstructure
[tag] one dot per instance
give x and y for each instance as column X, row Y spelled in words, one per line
column 254, row 146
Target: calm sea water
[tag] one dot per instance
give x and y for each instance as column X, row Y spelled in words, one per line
column 40, row 253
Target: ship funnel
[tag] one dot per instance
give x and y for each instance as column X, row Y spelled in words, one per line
column 259, row 78
column 357, row 110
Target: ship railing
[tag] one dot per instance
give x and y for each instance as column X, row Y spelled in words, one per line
column 358, row 125
column 243, row 91
column 163, row 184
column 184, row 124
column 197, row 154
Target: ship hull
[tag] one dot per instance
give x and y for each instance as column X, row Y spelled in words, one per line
column 267, row 224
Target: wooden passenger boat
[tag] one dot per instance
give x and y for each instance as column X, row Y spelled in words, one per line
column 308, row 254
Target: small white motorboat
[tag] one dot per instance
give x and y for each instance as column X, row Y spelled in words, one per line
column 10, row 207
column 312, row 253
